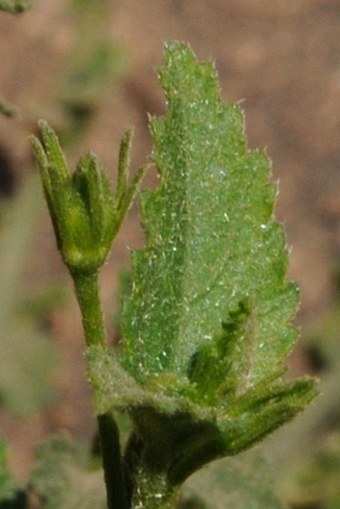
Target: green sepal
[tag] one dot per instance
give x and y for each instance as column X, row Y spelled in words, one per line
column 54, row 153
column 92, row 184
column 85, row 213
column 126, row 191
column 123, row 165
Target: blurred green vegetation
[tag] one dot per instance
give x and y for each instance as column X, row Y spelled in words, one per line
column 8, row 485
column 8, row 109
column 63, row 476
column 312, row 480
column 27, row 357
column 97, row 62
column 14, row 6
column 241, row 482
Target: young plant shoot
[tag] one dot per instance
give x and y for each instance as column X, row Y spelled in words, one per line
column 208, row 325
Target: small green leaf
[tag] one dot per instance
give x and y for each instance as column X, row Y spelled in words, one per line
column 216, row 369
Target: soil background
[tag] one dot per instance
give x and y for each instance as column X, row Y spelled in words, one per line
column 280, row 60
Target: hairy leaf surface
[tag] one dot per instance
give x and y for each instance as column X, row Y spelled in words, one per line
column 212, row 242
column 208, row 324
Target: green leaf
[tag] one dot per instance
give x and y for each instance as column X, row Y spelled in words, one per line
column 63, row 479
column 208, row 325
column 212, row 242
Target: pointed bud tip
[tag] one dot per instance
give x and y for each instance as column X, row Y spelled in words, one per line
column 42, row 124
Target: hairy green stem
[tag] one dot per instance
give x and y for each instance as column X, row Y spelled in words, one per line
column 86, row 288
column 152, row 490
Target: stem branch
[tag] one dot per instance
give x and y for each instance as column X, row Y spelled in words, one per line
column 86, row 288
